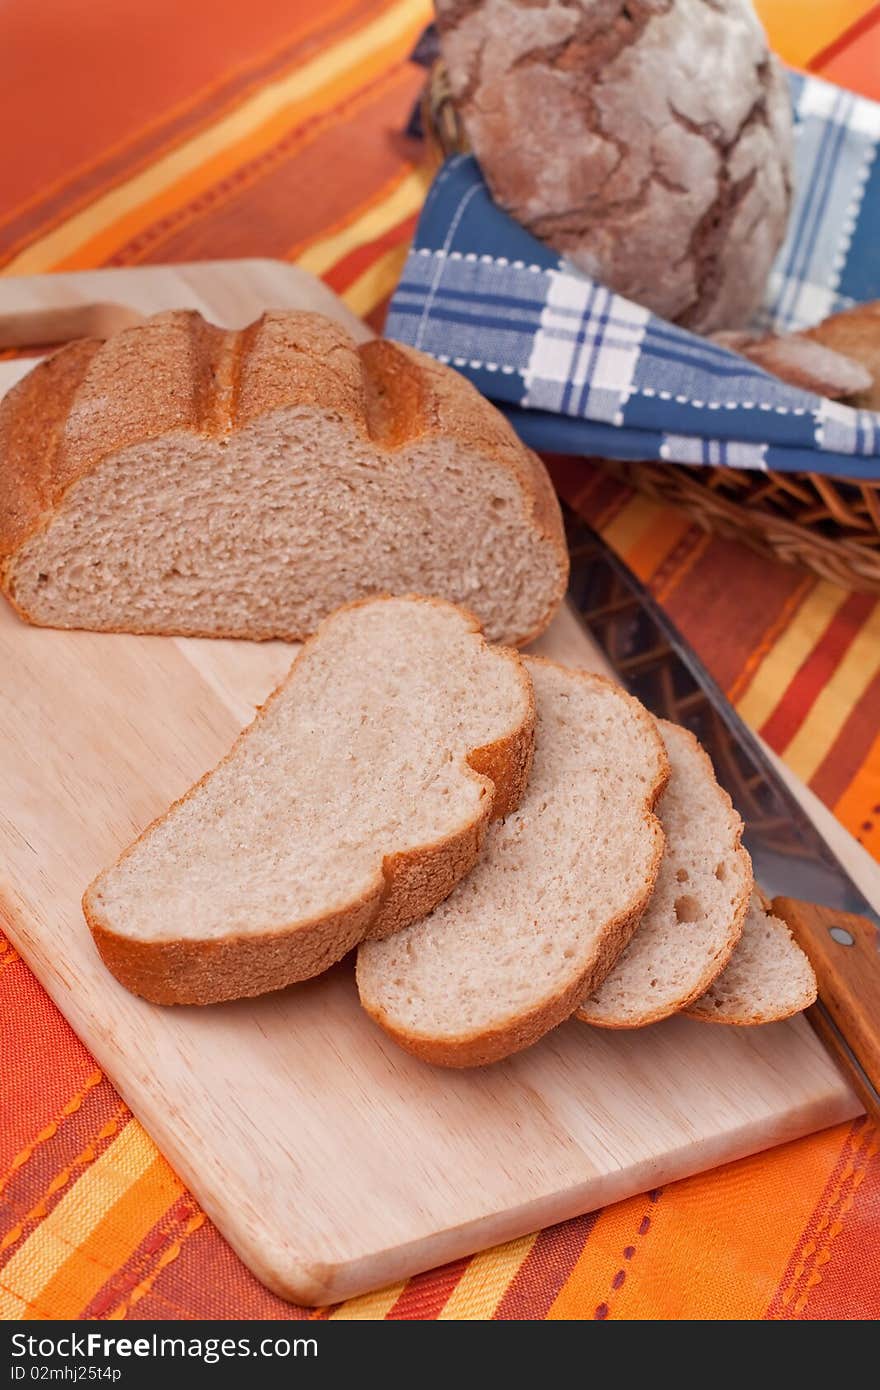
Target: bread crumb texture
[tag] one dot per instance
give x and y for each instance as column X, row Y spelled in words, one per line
column 769, row 978
column 351, row 806
column 553, row 900
column 696, row 914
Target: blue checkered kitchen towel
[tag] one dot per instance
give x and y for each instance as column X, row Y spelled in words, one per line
column 580, row 370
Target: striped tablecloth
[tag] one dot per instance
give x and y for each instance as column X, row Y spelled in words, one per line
column 272, row 128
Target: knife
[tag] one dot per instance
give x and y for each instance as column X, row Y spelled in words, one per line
column 828, row 914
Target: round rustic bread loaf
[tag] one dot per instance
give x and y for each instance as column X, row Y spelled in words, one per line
column 649, row 141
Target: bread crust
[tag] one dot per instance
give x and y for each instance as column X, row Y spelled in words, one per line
column 36, row 470
column 522, row 1030
column 714, row 967
column 753, row 1019
column 176, row 372
column 407, row 886
column 856, row 334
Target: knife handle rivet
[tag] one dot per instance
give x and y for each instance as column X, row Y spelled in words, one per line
column 842, row 936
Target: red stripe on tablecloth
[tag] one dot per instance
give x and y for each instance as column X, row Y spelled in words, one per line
column 848, row 752
column 122, row 1283
column 820, row 60
column 249, row 211
column 849, row 1286
column 427, row 1294
column 812, row 1254
column 346, row 271
column 742, row 613
column 49, row 1071
column 207, row 1280
column 857, row 67
column 817, row 670
column 54, row 1148
column 545, row 1269
column 52, row 1177
column 772, row 634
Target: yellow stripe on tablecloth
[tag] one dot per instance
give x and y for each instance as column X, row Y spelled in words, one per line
column 70, row 1225
column 405, row 199
column 370, row 1305
column 112, row 1241
column 485, row 1281
column 785, row 658
column 376, row 282
column 835, row 702
column 181, row 174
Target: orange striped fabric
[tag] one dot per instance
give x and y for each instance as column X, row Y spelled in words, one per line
column 274, row 128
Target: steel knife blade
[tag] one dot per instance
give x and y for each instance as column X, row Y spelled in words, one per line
column 792, row 860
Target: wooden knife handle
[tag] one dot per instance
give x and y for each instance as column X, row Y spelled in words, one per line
column 844, row 951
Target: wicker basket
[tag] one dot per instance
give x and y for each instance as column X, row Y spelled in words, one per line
column 828, row 525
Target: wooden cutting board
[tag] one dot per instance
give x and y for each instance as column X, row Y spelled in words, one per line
column 331, row 1161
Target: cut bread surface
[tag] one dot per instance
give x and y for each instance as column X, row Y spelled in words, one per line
column 183, row 479
column 555, row 897
column 696, row 914
column 350, row 807
column 768, row 977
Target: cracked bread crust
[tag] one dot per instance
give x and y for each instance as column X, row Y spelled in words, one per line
column 175, row 376
column 649, row 141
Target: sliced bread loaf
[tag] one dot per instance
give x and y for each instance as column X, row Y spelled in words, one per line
column 555, row 897
column 768, row 977
column 696, row 915
column 351, row 806
column 183, row 479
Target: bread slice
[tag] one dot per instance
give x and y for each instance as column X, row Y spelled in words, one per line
column 351, row 806
column 183, row 479
column 767, row 979
column 553, row 901
column 855, row 333
column 695, row 917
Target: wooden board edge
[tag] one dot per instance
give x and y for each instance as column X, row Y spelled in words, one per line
column 315, row 1281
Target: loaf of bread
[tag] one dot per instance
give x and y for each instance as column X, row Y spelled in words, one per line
column 695, row 917
column 178, row 478
column 648, row 141
column 351, row 806
column 554, row 899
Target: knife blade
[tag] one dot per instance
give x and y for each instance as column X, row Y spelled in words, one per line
column 794, row 865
